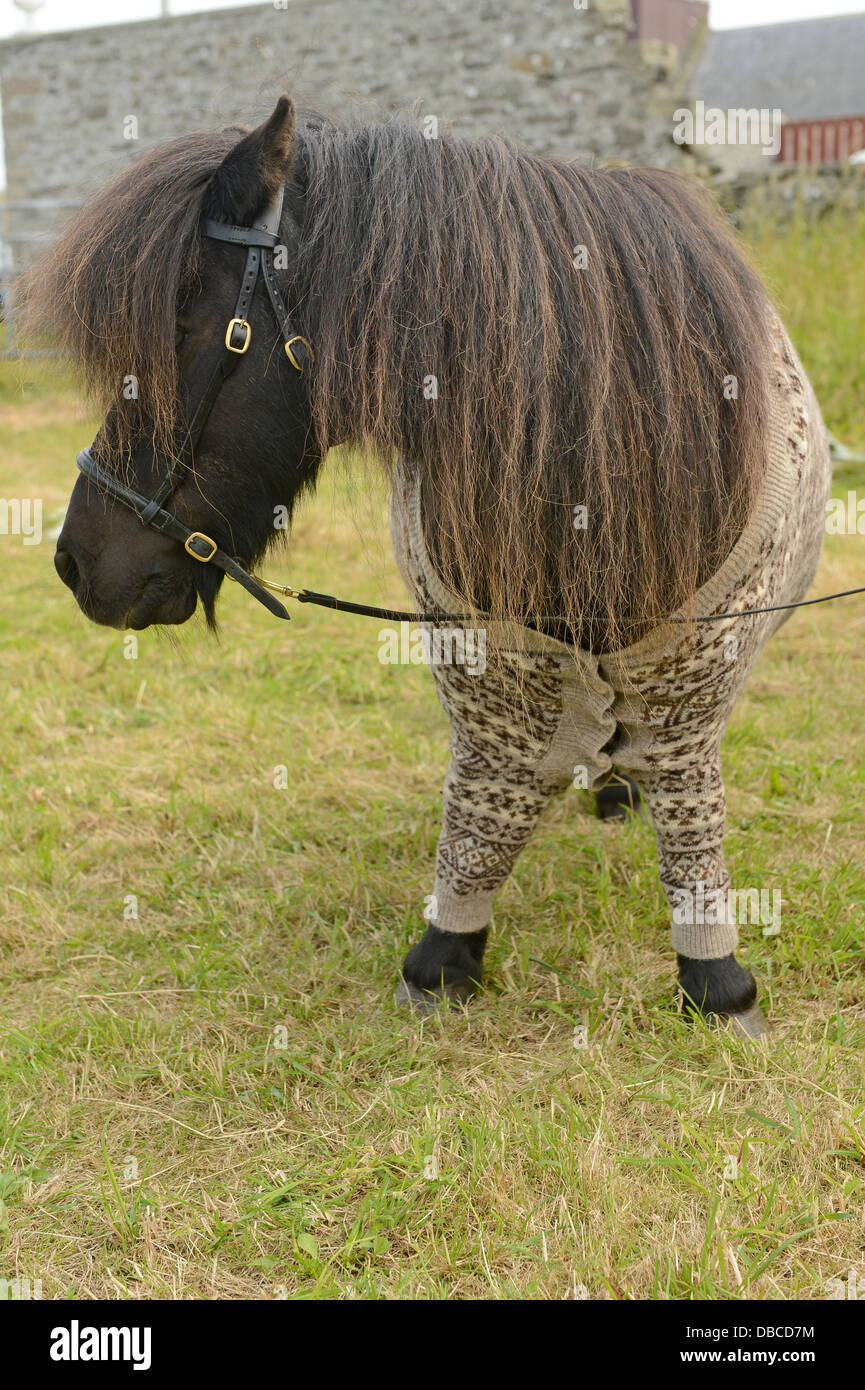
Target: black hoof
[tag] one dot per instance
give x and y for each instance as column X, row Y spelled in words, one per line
column 443, row 968
column 724, row 994
column 617, row 798
column 426, row 1001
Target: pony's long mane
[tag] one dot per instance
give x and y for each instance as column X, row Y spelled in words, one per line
column 452, row 323
column 456, row 319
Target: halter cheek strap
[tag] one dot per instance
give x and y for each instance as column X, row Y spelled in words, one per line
column 260, row 240
column 262, row 237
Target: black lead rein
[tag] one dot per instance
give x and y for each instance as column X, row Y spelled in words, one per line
column 394, row 615
column 260, row 241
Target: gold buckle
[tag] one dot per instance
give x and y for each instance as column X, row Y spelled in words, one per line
column 298, row 366
column 238, row 323
column 287, row 589
column 199, row 536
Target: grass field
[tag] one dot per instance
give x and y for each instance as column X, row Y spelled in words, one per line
column 205, row 1087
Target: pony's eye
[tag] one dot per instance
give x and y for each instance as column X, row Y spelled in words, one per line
column 178, row 337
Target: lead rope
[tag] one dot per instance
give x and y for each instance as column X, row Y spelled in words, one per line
column 395, row 615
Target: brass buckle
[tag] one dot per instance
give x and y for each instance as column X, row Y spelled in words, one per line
column 298, row 366
column 199, row 536
column 238, row 323
column 287, row 589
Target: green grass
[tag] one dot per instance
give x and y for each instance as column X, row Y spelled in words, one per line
column 218, row 1098
column 814, row 269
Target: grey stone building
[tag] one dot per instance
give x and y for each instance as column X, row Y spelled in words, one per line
column 585, row 79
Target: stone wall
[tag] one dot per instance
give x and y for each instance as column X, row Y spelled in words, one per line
column 787, row 191
column 561, row 79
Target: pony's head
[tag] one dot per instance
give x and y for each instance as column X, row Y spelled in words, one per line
column 143, row 301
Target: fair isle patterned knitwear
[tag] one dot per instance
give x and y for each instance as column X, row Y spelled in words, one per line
column 655, row 710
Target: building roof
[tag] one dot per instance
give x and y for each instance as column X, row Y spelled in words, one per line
column 811, row 69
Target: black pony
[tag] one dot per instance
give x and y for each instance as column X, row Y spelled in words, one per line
column 531, row 339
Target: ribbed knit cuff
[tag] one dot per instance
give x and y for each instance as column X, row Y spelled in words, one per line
column 704, row 920
column 705, row 942
column 460, row 912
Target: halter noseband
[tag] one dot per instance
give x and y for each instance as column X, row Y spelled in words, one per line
column 260, row 240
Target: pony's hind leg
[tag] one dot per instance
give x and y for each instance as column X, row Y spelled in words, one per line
column 619, row 796
column 687, row 808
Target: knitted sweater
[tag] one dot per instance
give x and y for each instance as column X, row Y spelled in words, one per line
column 545, row 715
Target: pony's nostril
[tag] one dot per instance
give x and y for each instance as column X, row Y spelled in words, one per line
column 66, row 567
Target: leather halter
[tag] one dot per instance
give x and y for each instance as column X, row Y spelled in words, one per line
column 260, row 240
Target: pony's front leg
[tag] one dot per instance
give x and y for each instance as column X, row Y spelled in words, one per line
column 500, row 778
column 687, row 807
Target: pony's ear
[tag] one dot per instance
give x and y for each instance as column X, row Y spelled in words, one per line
column 251, row 173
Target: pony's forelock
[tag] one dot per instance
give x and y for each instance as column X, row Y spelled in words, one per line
column 107, row 292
